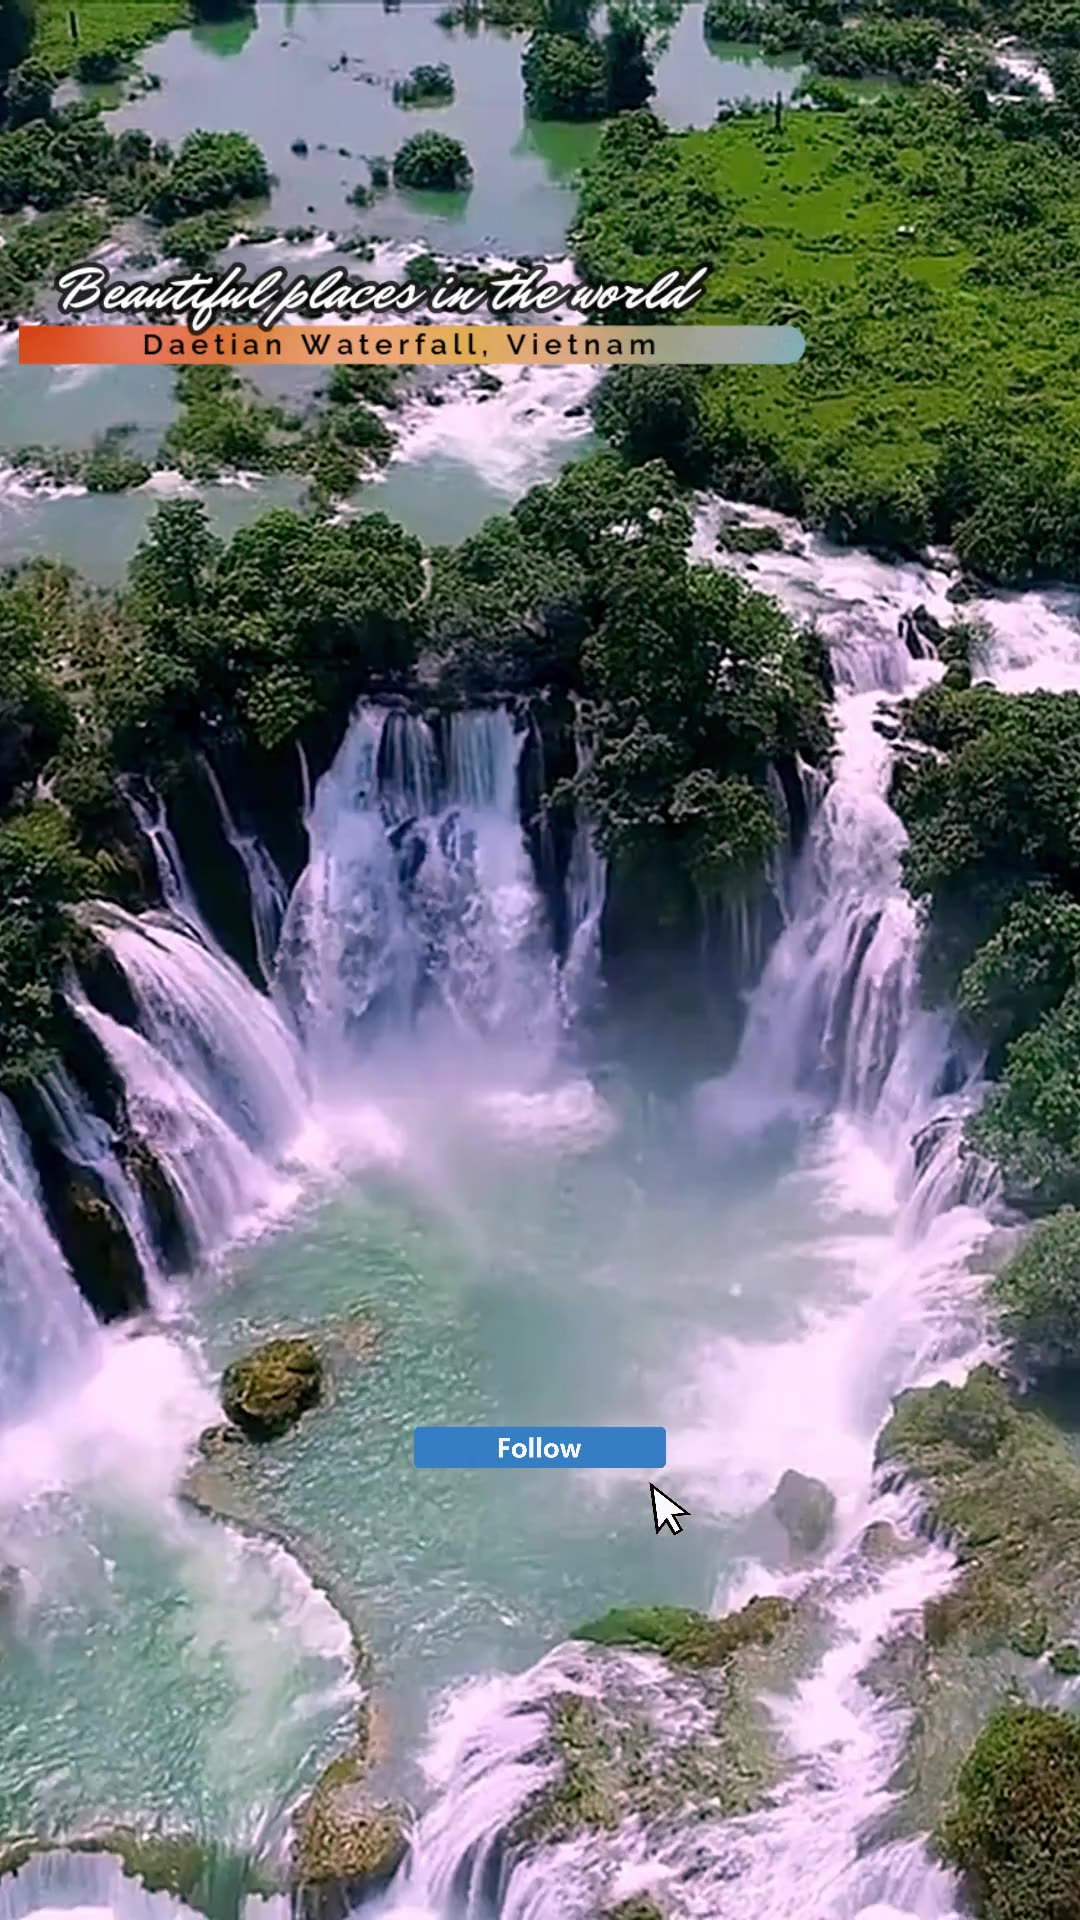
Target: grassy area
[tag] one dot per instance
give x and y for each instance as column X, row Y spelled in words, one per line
column 102, row 25
column 927, row 256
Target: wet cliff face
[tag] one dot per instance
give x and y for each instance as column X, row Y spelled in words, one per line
column 89, row 1228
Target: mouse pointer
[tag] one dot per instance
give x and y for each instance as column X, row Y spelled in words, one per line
column 666, row 1511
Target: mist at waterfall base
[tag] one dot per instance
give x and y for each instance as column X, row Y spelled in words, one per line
column 423, row 1114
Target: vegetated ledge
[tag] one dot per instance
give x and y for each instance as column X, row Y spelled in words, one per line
column 894, row 235
column 1001, row 1488
column 617, row 1751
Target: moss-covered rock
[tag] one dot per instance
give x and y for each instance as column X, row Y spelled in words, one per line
column 1002, row 1483
column 266, row 1391
column 805, row 1508
column 636, row 1909
column 1065, row 1660
column 347, row 1847
column 689, row 1638
column 1013, row 1827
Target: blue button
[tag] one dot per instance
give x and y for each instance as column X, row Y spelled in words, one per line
column 540, row 1447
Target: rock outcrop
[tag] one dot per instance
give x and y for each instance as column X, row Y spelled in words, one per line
column 265, row 1392
column 805, row 1508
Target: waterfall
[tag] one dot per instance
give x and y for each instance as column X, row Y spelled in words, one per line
column 269, row 894
column 418, row 907
column 87, row 1141
column 213, row 1079
column 89, row 1886
column 92, row 1885
column 586, row 887
column 176, row 889
column 45, row 1324
column 837, row 1043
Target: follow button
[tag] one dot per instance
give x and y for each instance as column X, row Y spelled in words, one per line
column 540, row 1446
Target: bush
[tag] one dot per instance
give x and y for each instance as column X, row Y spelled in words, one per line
column 656, row 413
column 432, row 162
column 1013, row 1828
column 1038, row 1293
column 211, row 170
column 564, row 79
column 425, row 86
column 29, row 93
column 95, row 66
column 16, row 33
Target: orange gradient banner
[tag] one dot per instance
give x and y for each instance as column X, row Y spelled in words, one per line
column 464, row 345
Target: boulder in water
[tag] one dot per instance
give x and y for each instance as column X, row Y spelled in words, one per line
column 270, row 1389
column 921, row 633
column 266, row 1391
column 805, row 1508
column 347, row 1847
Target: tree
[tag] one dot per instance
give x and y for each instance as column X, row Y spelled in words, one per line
column 432, row 162
column 656, row 413
column 30, row 89
column 1037, row 1294
column 210, row 170
column 16, row 33
column 565, row 79
column 628, row 81
column 1013, row 1828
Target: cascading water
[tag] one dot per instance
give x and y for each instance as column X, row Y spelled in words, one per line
column 269, row 894
column 214, row 1080
column 838, row 1045
column 419, row 908
column 86, row 1141
column 46, row 1327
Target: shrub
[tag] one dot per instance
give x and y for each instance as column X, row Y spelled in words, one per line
column 29, row 93
column 1013, row 1828
column 564, row 79
column 1038, row 1293
column 425, row 86
column 211, row 170
column 433, row 162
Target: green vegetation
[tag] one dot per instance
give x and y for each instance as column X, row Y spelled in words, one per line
column 66, row 166
column 571, row 74
column 901, row 236
column 988, row 792
column 1004, row 1484
column 16, row 33
column 1038, row 1293
column 426, row 86
column 432, row 162
column 210, row 170
column 1013, row 1828
column 688, row 1638
column 585, row 588
column 109, row 31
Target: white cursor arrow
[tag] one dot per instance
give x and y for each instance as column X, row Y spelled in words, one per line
column 665, row 1510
